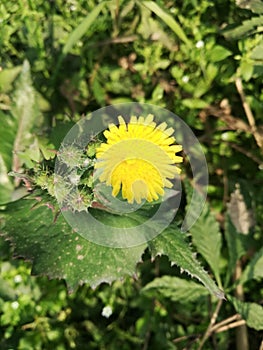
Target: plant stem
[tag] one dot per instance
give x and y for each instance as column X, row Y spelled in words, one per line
column 239, row 323
column 211, row 324
column 251, row 120
column 241, row 332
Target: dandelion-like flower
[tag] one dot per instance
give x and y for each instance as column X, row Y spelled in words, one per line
column 138, row 158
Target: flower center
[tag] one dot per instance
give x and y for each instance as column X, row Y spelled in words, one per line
column 139, row 180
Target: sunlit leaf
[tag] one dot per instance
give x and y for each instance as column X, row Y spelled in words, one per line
column 7, row 77
column 172, row 243
column 176, row 289
column 252, row 313
column 58, row 252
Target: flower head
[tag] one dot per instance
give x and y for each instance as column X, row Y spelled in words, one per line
column 138, row 158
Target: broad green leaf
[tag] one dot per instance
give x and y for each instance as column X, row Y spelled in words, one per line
column 176, row 289
column 254, row 270
column 168, row 19
column 207, row 239
column 58, row 252
column 218, row 53
column 173, row 244
column 252, row 313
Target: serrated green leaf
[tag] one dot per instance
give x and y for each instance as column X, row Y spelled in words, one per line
column 254, row 270
column 252, row 313
column 207, row 239
column 58, row 252
column 168, row 19
column 176, row 289
column 173, row 244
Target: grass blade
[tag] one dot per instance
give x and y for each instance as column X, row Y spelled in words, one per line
column 167, row 19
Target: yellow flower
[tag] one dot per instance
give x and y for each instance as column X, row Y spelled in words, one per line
column 138, row 158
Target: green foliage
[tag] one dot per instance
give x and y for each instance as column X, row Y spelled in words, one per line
column 55, row 250
column 61, row 60
column 254, row 270
column 207, row 239
column 58, row 252
column 251, row 312
column 176, row 289
column 173, row 245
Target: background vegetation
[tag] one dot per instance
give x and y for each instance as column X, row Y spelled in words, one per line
column 202, row 60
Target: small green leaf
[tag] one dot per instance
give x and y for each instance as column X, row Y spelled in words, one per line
column 246, row 70
column 218, row 53
column 6, row 290
column 176, row 289
column 254, row 270
column 77, row 34
column 194, row 103
column 7, row 77
column 173, row 244
column 168, row 19
column 257, row 52
column 252, row 313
